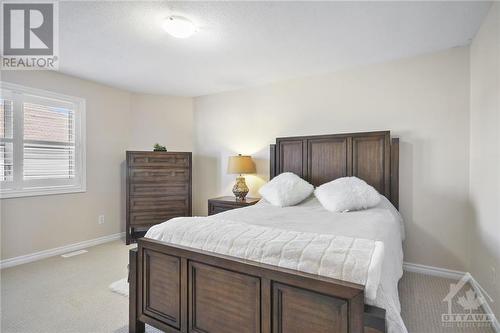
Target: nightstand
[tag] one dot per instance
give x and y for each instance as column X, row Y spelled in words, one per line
column 221, row 204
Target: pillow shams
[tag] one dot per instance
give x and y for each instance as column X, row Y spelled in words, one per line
column 347, row 193
column 286, row 189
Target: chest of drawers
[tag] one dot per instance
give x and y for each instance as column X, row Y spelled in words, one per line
column 158, row 189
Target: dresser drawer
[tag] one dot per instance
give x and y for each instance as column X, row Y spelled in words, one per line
column 148, row 217
column 171, row 202
column 158, row 175
column 158, row 189
column 159, row 159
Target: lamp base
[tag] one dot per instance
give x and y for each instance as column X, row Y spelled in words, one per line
column 240, row 189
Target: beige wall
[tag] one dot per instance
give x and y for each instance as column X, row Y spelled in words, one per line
column 423, row 100
column 42, row 222
column 116, row 121
column 161, row 119
column 485, row 156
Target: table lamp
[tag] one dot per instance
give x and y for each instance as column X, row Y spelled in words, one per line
column 239, row 165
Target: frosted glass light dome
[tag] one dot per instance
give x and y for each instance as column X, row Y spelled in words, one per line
column 178, row 26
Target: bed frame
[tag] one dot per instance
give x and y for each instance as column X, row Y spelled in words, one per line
column 179, row 289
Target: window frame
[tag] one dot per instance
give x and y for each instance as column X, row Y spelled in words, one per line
column 18, row 187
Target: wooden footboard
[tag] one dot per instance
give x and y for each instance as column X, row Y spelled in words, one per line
column 179, row 289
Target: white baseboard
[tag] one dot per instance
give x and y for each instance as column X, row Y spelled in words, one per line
column 455, row 275
column 433, row 271
column 58, row 250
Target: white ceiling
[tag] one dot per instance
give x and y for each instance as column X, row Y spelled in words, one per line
column 241, row 44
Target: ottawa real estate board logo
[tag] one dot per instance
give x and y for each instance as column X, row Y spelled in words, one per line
column 467, row 302
column 30, row 34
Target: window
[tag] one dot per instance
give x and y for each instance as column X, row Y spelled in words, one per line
column 42, row 146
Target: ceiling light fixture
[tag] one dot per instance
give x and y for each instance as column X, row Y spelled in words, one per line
column 178, row 26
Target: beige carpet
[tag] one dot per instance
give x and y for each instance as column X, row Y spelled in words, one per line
column 421, row 304
column 59, row 295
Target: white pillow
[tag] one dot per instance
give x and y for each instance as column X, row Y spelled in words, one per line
column 286, row 189
column 347, row 193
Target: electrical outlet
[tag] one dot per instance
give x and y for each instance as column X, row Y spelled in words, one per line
column 100, row 219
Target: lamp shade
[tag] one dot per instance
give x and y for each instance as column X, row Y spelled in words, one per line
column 240, row 164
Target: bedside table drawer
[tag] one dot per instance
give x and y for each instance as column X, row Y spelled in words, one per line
column 219, row 208
column 222, row 204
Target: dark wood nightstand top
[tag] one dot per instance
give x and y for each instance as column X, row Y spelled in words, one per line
column 222, row 204
column 232, row 201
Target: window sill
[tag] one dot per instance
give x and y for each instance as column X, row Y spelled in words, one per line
column 41, row 191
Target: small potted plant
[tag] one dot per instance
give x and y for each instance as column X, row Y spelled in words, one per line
column 158, row 147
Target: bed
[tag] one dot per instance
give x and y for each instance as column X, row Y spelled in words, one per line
column 177, row 288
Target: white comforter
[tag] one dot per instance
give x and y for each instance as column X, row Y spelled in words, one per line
column 308, row 221
column 345, row 258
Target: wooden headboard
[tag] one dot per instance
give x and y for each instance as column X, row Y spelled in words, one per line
column 371, row 156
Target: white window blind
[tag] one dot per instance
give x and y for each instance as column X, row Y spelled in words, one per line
column 6, row 140
column 42, row 146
